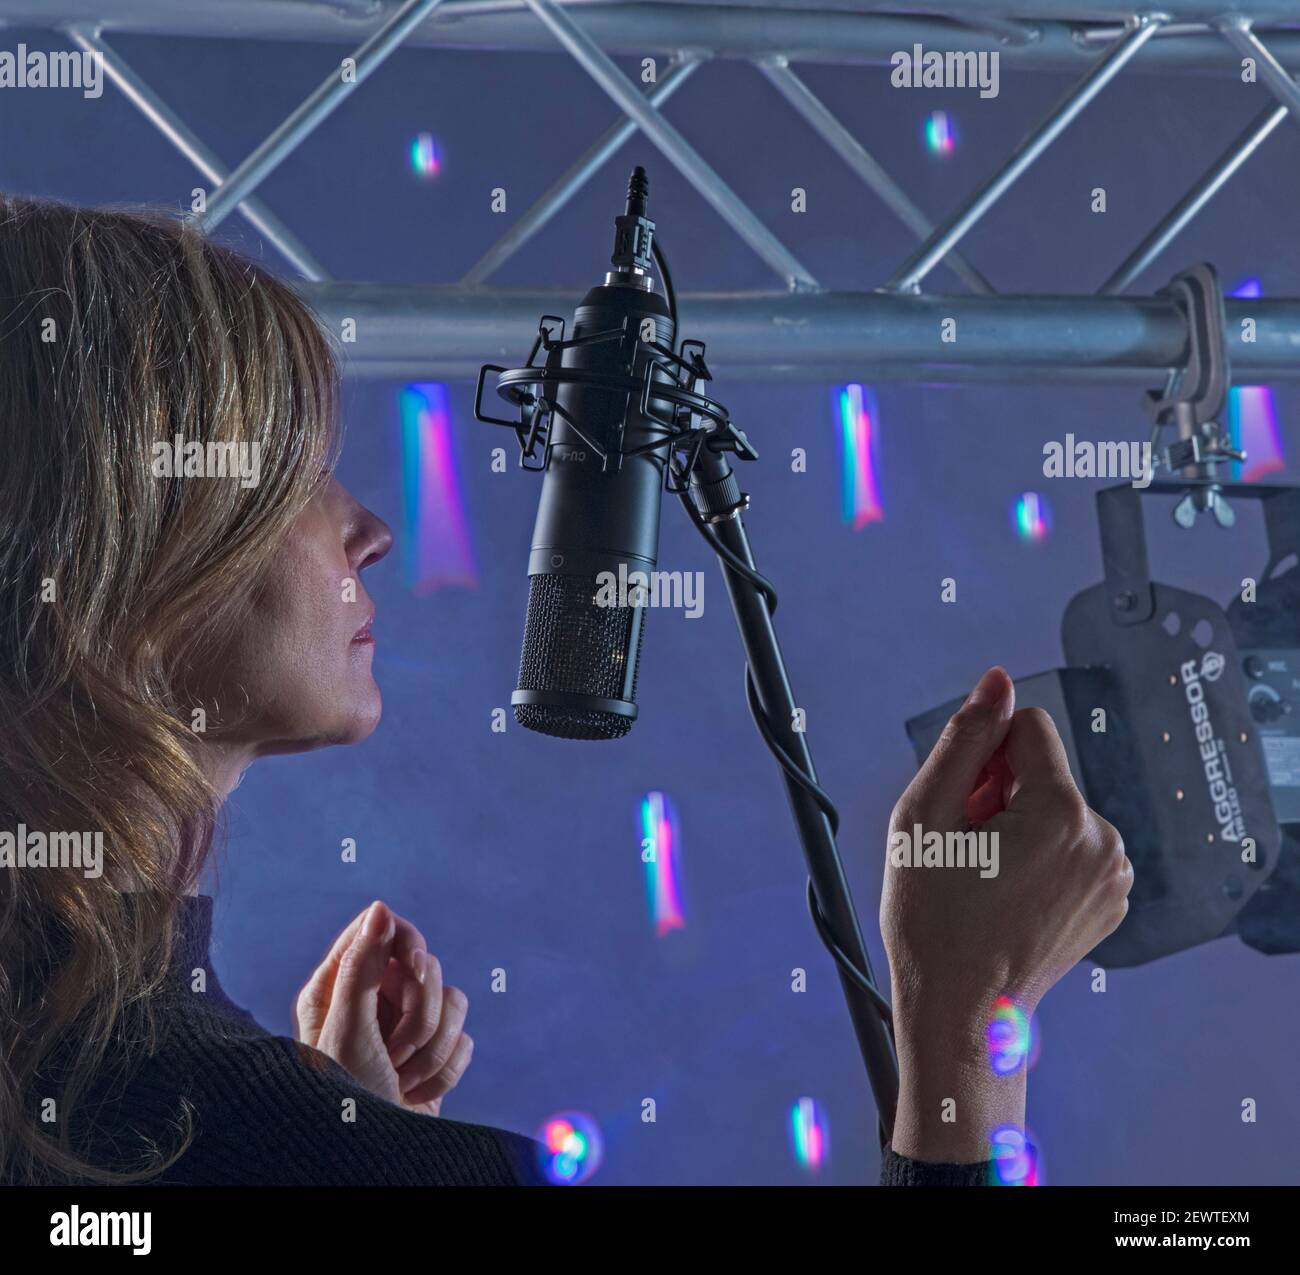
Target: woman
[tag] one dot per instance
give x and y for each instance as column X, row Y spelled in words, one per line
column 180, row 595
column 170, row 611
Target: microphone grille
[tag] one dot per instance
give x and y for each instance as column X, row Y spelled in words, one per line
column 573, row 646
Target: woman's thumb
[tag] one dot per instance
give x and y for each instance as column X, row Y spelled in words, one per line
column 969, row 740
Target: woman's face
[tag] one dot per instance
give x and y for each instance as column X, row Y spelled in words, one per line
column 297, row 676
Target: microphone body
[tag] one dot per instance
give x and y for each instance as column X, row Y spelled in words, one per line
column 597, row 525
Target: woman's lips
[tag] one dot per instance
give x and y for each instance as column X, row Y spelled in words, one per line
column 364, row 637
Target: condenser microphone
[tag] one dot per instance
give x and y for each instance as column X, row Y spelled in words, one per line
column 598, row 516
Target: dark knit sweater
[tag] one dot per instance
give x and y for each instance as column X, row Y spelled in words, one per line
column 268, row 1110
column 899, row 1170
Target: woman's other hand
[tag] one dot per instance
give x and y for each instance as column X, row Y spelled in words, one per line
column 958, row 939
column 377, row 1005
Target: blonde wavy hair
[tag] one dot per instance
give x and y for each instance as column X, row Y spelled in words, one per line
column 120, row 330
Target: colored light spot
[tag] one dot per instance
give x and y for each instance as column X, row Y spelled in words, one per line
column 571, row 1148
column 1032, row 516
column 940, row 133
column 1252, row 418
column 859, row 433
column 435, row 540
column 810, row 1134
column 1010, row 1036
column 660, row 852
column 424, row 156
column 1015, row 1157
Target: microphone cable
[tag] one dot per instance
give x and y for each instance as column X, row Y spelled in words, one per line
column 787, row 763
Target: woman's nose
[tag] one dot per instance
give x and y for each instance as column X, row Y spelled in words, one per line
column 374, row 538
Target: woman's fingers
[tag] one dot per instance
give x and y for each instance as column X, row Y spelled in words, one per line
column 431, row 1057
column 438, row 1085
column 410, row 950
column 421, row 1014
column 409, row 947
column 397, row 993
column 312, row 1003
column 992, row 790
column 360, row 973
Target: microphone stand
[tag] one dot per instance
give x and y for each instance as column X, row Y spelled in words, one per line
column 701, row 474
column 714, row 502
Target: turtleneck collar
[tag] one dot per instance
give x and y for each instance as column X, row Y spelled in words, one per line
column 193, row 934
column 192, row 950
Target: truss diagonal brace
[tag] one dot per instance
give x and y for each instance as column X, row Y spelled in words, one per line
column 688, row 161
column 562, row 189
column 280, row 144
column 1235, row 28
column 861, row 161
column 1196, row 198
column 929, row 254
column 170, row 125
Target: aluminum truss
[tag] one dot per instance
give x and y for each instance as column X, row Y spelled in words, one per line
column 801, row 331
